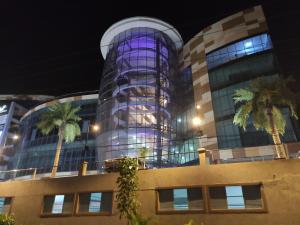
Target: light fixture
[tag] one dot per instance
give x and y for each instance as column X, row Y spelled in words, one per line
column 198, row 107
column 196, row 121
column 96, row 127
column 15, row 137
column 248, row 44
column 179, row 120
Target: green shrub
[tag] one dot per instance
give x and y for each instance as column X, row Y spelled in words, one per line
column 7, row 219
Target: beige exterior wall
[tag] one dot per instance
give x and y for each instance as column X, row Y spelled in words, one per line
column 280, row 180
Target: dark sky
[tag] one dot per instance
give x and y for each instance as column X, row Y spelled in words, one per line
column 52, row 47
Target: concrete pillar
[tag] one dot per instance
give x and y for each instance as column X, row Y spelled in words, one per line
column 202, row 156
column 82, row 169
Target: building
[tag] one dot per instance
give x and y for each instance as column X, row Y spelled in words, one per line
column 221, row 58
column 136, row 89
column 169, row 97
column 37, row 150
column 12, row 108
column 153, row 92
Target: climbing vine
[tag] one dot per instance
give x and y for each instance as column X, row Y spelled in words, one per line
column 127, row 182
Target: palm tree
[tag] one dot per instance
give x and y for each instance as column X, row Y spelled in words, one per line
column 61, row 116
column 263, row 99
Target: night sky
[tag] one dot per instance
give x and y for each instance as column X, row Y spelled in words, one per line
column 52, row 47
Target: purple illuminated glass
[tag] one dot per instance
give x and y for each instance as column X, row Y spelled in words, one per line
column 137, row 113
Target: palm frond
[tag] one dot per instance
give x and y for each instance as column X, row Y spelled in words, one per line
column 243, row 95
column 61, row 116
column 265, row 92
column 71, row 130
column 279, row 120
column 242, row 115
column 260, row 119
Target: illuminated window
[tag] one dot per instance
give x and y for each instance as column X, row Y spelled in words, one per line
column 180, row 199
column 5, row 204
column 58, row 204
column 239, row 49
column 95, row 202
column 236, row 197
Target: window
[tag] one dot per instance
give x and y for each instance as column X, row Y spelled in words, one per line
column 95, row 202
column 239, row 49
column 5, row 205
column 228, row 134
column 180, row 199
column 58, row 204
column 236, row 197
column 244, row 69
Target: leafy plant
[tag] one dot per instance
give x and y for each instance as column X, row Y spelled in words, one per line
column 7, row 219
column 127, row 202
column 263, row 99
column 137, row 219
column 191, row 222
column 61, row 116
column 127, row 182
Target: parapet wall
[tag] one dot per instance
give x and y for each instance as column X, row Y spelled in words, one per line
column 279, row 179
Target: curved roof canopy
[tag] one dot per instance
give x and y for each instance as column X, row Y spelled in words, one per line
column 138, row 21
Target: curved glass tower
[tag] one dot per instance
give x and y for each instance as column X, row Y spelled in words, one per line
column 136, row 88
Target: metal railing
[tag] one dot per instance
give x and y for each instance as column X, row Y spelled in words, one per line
column 29, row 173
column 38, row 164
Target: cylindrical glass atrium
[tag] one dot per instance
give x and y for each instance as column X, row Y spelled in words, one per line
column 136, row 88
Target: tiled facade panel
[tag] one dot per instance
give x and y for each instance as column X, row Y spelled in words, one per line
column 240, row 25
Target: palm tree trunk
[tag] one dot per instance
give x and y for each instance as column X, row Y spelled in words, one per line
column 57, row 153
column 280, row 151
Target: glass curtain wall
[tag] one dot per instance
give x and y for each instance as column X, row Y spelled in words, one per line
column 37, row 150
column 135, row 95
column 233, row 67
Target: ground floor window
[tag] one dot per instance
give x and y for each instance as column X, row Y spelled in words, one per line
column 95, row 202
column 58, row 204
column 180, row 199
column 235, row 197
column 5, row 205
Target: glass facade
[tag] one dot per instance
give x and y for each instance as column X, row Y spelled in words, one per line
column 37, row 150
column 185, row 140
column 239, row 49
column 228, row 74
column 135, row 95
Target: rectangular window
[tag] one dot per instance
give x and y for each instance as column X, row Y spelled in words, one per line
column 5, row 205
column 235, row 197
column 95, row 202
column 180, row 199
column 58, row 204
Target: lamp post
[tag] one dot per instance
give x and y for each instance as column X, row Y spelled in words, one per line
column 95, row 128
column 83, row 166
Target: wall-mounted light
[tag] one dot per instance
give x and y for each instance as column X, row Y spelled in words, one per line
column 197, row 121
